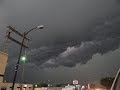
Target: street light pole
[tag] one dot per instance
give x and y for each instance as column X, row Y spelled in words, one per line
column 17, row 64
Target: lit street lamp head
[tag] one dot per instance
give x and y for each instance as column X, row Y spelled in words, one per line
column 23, row 58
column 40, row 27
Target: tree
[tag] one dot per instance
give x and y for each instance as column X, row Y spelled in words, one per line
column 41, row 85
column 92, row 86
column 44, row 85
column 107, row 82
column 58, row 85
column 61, row 85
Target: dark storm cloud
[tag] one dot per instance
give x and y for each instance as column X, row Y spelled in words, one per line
column 118, row 1
column 68, row 25
column 74, row 31
column 82, row 54
column 1, row 2
column 103, row 38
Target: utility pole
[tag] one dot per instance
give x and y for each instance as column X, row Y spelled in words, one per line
column 23, row 36
column 22, row 45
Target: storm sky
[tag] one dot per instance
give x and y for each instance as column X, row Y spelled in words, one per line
column 80, row 40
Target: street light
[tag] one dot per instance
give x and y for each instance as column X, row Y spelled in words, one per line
column 23, row 58
column 17, row 64
column 40, row 27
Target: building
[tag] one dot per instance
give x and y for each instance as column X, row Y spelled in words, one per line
column 72, row 87
column 69, row 87
column 8, row 86
column 48, row 88
column 3, row 63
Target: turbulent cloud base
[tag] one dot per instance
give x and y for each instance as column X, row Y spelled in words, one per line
column 103, row 38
